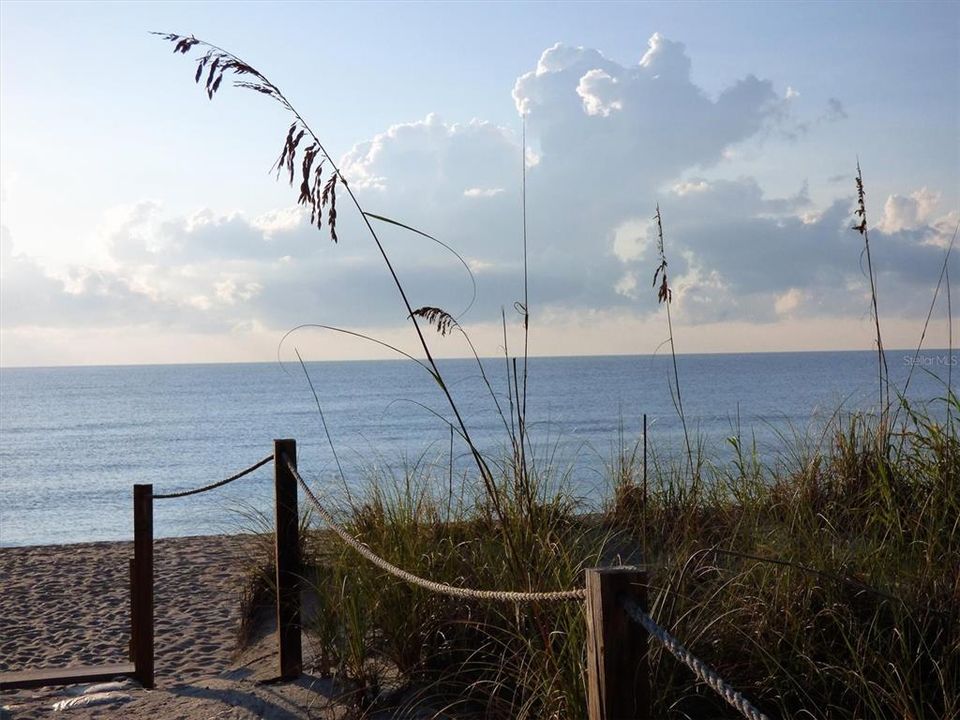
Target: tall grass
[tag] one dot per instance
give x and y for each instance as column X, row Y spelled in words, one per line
column 829, row 589
column 883, row 372
column 665, row 297
column 484, row 658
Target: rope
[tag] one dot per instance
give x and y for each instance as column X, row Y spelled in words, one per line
column 703, row 671
column 214, row 486
column 502, row 595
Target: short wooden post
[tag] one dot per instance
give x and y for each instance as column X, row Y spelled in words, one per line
column 287, row 560
column 618, row 678
column 142, row 600
column 133, row 612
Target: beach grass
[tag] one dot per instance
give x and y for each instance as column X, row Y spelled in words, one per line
column 823, row 582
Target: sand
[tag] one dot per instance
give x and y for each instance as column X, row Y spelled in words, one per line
column 69, row 605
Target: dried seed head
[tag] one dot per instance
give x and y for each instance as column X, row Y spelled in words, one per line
column 861, row 211
column 440, row 319
column 664, row 292
column 328, row 199
column 215, row 63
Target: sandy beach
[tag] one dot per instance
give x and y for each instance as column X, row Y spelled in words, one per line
column 69, row 605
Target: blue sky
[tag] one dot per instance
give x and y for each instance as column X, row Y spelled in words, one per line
column 139, row 223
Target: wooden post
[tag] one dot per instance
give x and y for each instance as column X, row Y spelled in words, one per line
column 644, row 479
column 133, row 612
column 142, row 601
column 618, row 677
column 287, row 560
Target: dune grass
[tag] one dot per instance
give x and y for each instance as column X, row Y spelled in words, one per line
column 823, row 586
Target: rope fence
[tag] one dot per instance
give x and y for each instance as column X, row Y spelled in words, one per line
column 443, row 588
column 704, row 672
column 214, row 486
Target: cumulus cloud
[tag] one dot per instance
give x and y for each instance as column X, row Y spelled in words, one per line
column 406, row 153
column 600, row 93
column 642, row 124
column 908, row 212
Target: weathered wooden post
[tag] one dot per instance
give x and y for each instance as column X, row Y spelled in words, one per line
column 287, row 560
column 142, row 591
column 618, row 676
column 133, row 610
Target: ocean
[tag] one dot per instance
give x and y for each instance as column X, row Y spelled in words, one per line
column 74, row 440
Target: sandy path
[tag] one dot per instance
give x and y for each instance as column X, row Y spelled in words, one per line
column 69, row 605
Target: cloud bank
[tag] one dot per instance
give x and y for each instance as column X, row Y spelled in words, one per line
column 607, row 142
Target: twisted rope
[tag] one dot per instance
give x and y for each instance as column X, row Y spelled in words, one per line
column 214, row 486
column 704, row 672
column 501, row 595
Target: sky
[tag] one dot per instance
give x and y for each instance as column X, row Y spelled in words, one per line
column 139, row 222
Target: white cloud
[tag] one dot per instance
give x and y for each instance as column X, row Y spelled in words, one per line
column 627, row 285
column 944, row 228
column 199, row 302
column 786, row 303
column 691, row 186
column 231, row 292
column 704, row 295
column 631, row 239
column 600, row 93
column 908, row 212
column 406, row 153
column 478, row 266
column 633, row 127
column 665, row 58
column 482, row 192
column 282, row 220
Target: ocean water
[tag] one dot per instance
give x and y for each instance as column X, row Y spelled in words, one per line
column 73, row 441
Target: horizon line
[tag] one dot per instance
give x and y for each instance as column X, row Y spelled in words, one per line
column 472, row 359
